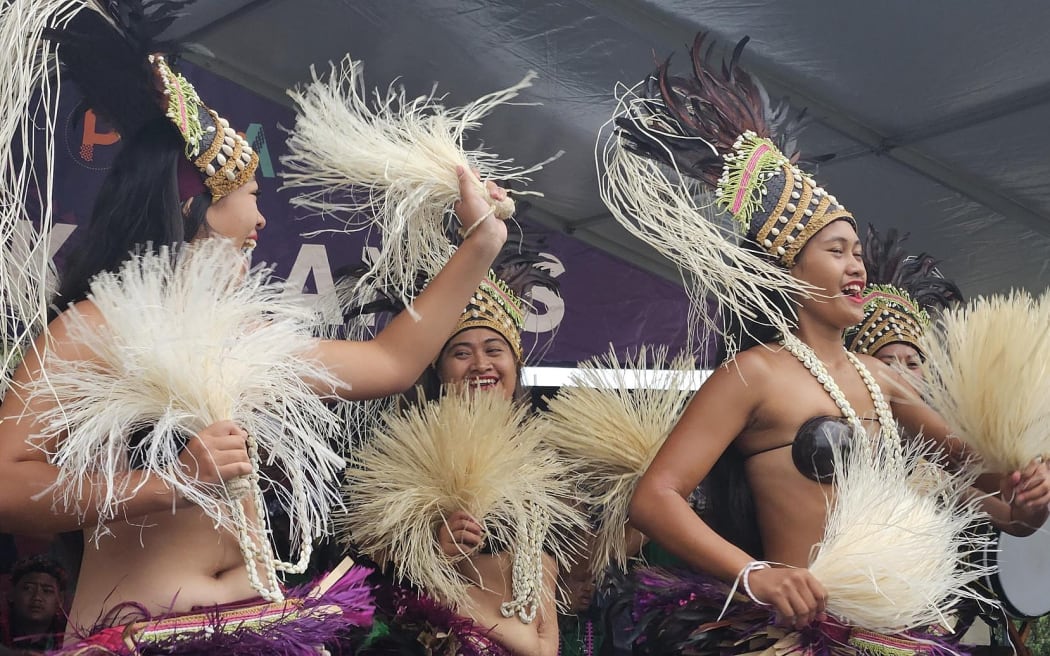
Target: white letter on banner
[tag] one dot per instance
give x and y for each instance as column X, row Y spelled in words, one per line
column 313, row 258
column 549, row 320
column 60, row 232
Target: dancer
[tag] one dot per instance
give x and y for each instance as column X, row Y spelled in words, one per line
column 184, row 176
column 459, row 498
column 796, row 284
column 902, row 291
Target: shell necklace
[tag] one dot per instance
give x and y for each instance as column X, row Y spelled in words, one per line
column 810, row 361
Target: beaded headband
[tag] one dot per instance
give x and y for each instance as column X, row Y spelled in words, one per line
column 224, row 158
column 891, row 315
column 496, row 307
column 772, row 201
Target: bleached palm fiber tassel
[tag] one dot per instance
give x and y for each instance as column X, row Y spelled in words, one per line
column 610, row 423
column 672, row 213
column 190, row 339
column 28, row 111
column 987, row 374
column 474, row 452
column 360, row 416
column 389, row 163
column 895, row 558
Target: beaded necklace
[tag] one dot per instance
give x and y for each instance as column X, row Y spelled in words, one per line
column 810, row 361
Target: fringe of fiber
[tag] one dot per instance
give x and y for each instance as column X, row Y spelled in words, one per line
column 610, row 425
column 28, row 115
column 189, row 339
column 986, row 374
column 472, row 452
column 388, row 163
column 897, row 556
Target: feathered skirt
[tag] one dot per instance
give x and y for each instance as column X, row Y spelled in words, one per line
column 408, row 621
column 677, row 612
column 305, row 624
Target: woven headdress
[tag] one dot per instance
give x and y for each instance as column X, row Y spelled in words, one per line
column 496, row 307
column 501, row 301
column 115, row 59
column 680, row 140
column 901, row 291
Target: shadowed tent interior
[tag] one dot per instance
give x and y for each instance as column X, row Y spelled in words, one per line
column 937, row 113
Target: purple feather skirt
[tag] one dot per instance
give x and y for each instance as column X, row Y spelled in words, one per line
column 676, row 612
column 298, row 626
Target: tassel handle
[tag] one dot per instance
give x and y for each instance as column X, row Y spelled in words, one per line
column 504, row 208
column 237, row 488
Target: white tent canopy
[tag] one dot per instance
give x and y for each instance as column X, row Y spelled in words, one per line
column 938, row 112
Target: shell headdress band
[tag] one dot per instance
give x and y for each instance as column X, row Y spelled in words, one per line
column 902, row 291
column 222, row 156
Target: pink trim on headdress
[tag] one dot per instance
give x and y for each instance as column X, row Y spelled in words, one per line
column 190, row 181
column 745, row 177
column 871, row 296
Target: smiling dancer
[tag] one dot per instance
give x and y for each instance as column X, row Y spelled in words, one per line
column 456, row 496
column 902, row 291
column 765, row 415
column 183, row 176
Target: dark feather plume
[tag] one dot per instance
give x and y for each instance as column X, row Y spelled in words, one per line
column 698, row 118
column 107, row 57
column 887, row 263
column 518, row 264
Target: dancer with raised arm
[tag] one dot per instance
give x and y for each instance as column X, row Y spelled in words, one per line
column 145, row 411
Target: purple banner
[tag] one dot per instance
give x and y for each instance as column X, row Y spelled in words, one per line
column 603, row 301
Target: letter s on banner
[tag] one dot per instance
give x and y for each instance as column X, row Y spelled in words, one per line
column 550, row 319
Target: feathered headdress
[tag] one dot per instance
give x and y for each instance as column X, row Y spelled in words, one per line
column 715, row 133
column 476, row 452
column 901, row 292
column 610, row 426
column 118, row 61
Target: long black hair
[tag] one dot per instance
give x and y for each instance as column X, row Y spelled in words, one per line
column 729, row 506
column 137, row 207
